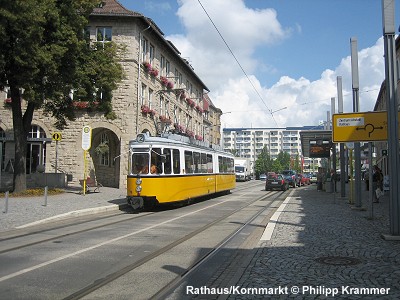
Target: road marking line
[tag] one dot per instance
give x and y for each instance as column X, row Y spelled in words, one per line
column 269, row 229
column 26, row 270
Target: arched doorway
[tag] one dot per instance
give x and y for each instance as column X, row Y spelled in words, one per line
column 36, row 148
column 105, row 153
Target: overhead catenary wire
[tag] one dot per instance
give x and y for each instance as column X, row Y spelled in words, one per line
column 237, row 61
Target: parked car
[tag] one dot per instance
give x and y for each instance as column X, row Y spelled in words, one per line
column 313, row 178
column 290, row 180
column 275, row 182
column 303, row 179
column 263, row 177
column 295, row 179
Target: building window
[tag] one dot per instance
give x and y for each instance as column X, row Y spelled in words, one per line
column 145, row 47
column 150, row 97
column 152, row 52
column 103, row 35
column 166, row 109
column 161, row 105
column 167, row 67
column 105, row 155
column 143, row 94
column 86, row 33
column 36, row 132
column 162, row 66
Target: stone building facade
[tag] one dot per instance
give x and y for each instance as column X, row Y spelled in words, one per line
column 160, row 93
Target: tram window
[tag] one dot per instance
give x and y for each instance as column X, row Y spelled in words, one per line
column 203, row 166
column 167, row 164
column 188, row 162
column 176, row 160
column 197, row 162
column 209, row 163
column 156, row 164
column 140, row 163
column 231, row 165
column 221, row 164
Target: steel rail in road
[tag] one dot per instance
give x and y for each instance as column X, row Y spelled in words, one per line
column 101, row 282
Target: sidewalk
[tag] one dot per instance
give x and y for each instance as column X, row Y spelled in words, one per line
column 322, row 247
column 23, row 211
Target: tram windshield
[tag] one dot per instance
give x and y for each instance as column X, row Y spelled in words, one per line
column 140, row 163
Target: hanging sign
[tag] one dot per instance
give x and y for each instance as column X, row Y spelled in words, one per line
column 86, row 138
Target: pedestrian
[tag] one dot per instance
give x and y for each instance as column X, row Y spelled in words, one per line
column 320, row 178
column 366, row 178
column 377, row 183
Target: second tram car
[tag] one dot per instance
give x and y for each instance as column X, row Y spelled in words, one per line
column 170, row 169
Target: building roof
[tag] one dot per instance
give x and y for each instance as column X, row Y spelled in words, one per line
column 298, row 128
column 112, row 8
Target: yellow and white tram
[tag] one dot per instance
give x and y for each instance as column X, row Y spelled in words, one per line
column 170, row 169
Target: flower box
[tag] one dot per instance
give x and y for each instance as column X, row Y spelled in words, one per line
column 149, row 69
column 164, row 80
column 165, row 120
column 84, row 104
column 145, row 109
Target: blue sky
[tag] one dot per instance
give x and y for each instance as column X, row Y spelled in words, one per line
column 291, row 50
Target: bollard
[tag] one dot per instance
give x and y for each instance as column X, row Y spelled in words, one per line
column 45, row 195
column 6, row 207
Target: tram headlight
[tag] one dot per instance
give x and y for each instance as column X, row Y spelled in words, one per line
column 138, row 181
column 139, row 188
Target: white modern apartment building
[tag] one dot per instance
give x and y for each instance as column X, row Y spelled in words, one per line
column 249, row 142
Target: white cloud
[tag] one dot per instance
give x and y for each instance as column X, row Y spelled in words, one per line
column 244, row 29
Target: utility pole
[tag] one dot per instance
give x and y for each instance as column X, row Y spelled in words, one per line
column 343, row 169
column 392, row 109
column 356, row 108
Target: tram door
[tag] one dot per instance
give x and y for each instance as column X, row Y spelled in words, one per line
column 34, row 157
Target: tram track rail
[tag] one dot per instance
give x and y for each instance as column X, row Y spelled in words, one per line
column 241, row 197
column 102, row 282
column 66, row 223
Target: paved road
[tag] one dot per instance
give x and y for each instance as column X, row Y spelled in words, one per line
column 320, row 245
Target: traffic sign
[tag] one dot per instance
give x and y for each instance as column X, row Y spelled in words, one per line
column 56, row 136
column 360, row 127
column 86, row 137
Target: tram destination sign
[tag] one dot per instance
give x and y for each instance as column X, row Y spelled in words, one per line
column 360, row 127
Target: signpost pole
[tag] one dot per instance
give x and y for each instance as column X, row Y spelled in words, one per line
column 84, row 172
column 370, row 189
column 55, row 165
column 356, row 108
column 343, row 170
column 86, row 145
column 1, row 157
column 392, row 108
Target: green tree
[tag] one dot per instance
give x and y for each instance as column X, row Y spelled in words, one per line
column 44, row 54
column 297, row 164
column 264, row 163
column 276, row 166
column 284, row 160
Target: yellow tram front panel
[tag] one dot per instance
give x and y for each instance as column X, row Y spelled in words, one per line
column 173, row 188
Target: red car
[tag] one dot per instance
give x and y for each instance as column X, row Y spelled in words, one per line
column 304, row 180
